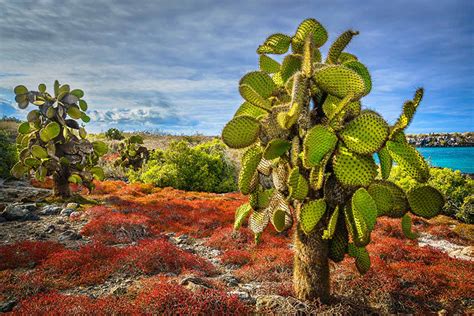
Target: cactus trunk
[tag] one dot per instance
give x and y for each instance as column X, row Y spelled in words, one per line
column 311, row 265
column 61, row 183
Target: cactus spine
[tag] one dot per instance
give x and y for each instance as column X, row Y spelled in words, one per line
column 52, row 143
column 302, row 120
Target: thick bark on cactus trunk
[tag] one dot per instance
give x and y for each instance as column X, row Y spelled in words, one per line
column 61, row 183
column 311, row 266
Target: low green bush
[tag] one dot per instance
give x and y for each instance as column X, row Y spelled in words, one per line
column 457, row 188
column 8, row 154
column 204, row 167
column 113, row 133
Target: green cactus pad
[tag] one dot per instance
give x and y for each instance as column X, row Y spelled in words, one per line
column 74, row 112
column 385, row 162
column 258, row 221
column 19, row 170
column 311, row 26
column 354, row 169
column 249, row 109
column 297, row 185
column 19, row 90
column 31, row 162
column 364, row 204
column 311, row 213
column 260, row 199
column 279, row 220
column 338, row 46
column 383, row 198
column 275, row 148
column 33, row 116
column 318, row 142
column 241, row 131
column 275, row 44
column 39, row 152
column 340, row 81
column 248, row 171
column 346, row 57
column 291, row 64
column 366, row 133
column 316, row 175
column 410, row 160
column 260, row 82
column 338, row 243
column 363, row 72
column 253, row 97
column 357, row 225
column 50, row 132
column 241, row 214
column 329, row 232
column 425, row 201
column 24, row 128
column 399, row 201
column 406, row 227
column 362, row 258
column 268, row 64
column 100, row 148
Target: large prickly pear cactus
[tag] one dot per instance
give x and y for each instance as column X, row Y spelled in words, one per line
column 52, row 143
column 309, row 156
column 132, row 153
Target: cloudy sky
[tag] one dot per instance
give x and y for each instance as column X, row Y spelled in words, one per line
column 174, row 65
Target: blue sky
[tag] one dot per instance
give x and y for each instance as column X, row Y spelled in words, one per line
column 174, row 65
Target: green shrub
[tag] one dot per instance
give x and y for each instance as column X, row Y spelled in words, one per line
column 457, row 188
column 8, row 154
column 204, row 167
column 113, row 133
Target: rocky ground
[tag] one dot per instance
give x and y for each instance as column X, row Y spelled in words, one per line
column 25, row 215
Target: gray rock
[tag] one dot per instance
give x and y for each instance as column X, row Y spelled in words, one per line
column 69, row 235
column 50, row 229
column 119, row 290
column 230, row 280
column 244, row 296
column 72, row 206
column 7, row 306
column 19, row 212
column 66, row 212
column 75, row 214
column 50, row 210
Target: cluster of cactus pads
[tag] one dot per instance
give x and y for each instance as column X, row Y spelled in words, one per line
column 51, row 142
column 132, row 153
column 310, row 147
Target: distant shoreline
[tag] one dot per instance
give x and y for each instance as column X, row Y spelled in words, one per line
column 442, row 139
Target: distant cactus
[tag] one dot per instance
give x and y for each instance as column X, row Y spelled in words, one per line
column 309, row 138
column 52, row 143
column 132, row 153
column 114, row 134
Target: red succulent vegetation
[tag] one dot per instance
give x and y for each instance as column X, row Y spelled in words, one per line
column 128, row 237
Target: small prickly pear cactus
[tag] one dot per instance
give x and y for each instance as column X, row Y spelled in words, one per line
column 309, row 156
column 52, row 143
column 132, row 153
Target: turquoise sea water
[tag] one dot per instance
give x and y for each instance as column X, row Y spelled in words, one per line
column 457, row 158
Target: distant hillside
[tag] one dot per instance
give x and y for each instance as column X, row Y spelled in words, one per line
column 442, row 139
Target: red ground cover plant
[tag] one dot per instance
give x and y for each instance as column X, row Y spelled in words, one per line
column 402, row 278
column 159, row 255
column 59, row 304
column 26, row 254
column 113, row 227
column 172, row 299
